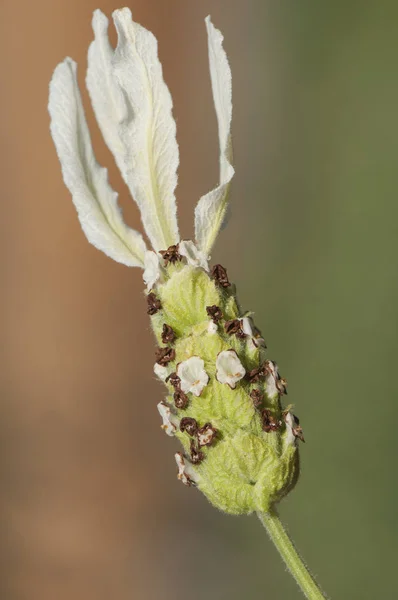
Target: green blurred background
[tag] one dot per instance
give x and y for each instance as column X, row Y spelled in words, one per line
column 90, row 504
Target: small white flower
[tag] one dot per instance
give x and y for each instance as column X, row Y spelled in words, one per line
column 254, row 338
column 192, row 375
column 206, row 434
column 152, row 272
column 246, row 326
column 169, row 420
column 186, row 474
column 275, row 385
column 271, row 380
column 291, row 436
column 229, row 369
column 212, row 328
column 160, row 371
column 193, row 256
column 258, row 342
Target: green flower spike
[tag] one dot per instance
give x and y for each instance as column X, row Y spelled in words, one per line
column 239, row 445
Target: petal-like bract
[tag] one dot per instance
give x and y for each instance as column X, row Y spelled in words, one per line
column 95, row 201
column 211, row 209
column 134, row 109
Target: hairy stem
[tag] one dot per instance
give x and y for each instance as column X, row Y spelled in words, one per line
column 291, row 557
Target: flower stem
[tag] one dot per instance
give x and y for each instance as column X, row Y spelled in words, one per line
column 289, row 554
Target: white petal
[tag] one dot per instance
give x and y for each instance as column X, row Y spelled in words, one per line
column 246, row 326
column 193, row 256
column 271, row 379
column 161, row 371
column 192, row 375
column 169, row 420
column 211, row 209
column 136, row 120
column 153, row 270
column 290, row 436
column 212, row 328
column 229, row 369
column 258, row 341
column 95, row 201
column 206, row 434
column 186, row 472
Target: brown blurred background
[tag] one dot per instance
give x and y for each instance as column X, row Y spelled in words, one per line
column 90, row 505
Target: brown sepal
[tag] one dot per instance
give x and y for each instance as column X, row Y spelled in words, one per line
column 189, row 425
column 154, row 304
column 196, row 455
column 269, row 422
column 219, row 274
column 214, row 313
column 297, row 429
column 180, row 399
column 171, row 255
column 174, row 380
column 257, row 396
column 164, row 356
column 234, row 327
column 168, row 335
column 256, row 374
column 206, row 434
column 281, row 385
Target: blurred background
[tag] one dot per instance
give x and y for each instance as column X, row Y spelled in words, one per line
column 90, row 507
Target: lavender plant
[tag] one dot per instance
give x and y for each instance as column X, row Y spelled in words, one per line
column 239, row 444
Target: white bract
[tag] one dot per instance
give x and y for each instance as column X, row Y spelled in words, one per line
column 192, row 375
column 133, row 108
column 229, row 369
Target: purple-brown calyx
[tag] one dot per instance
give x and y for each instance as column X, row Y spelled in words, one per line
column 154, row 304
column 180, row 399
column 257, row 396
column 196, row 455
column 281, row 385
column 234, row 327
column 171, row 255
column 297, row 429
column 269, row 421
column 206, row 434
column 174, row 380
column 189, row 425
column 164, row 355
column 214, row 312
column 219, row 274
column 168, row 334
column 257, row 374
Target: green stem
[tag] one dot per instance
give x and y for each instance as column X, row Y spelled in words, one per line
column 288, row 552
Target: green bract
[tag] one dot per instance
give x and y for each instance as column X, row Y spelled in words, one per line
column 252, row 459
